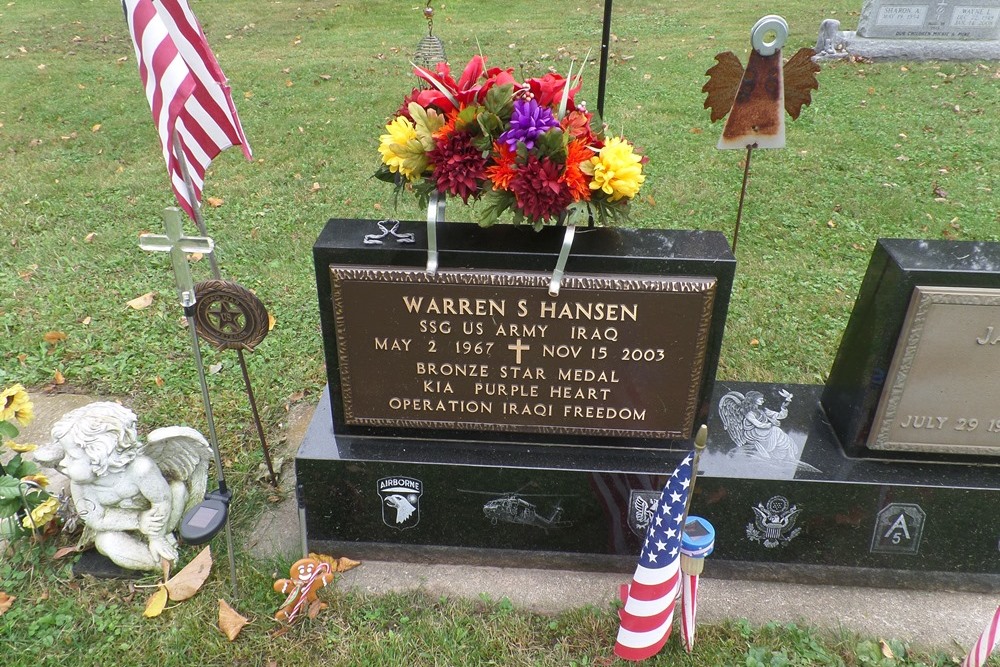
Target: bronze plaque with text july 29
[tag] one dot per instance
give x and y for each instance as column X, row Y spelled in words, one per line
column 610, row 356
column 941, row 394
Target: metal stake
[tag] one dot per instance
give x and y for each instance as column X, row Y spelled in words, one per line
column 743, row 194
column 213, row 262
column 605, row 46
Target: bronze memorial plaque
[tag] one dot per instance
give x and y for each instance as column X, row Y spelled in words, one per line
column 941, row 394
column 487, row 350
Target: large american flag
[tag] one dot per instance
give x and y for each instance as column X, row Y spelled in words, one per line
column 648, row 613
column 187, row 91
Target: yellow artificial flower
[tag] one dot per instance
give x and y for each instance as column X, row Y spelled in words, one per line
column 401, row 149
column 21, row 449
column 42, row 514
column 14, row 402
column 39, row 479
column 616, row 170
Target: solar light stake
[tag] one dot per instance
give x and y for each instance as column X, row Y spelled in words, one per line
column 203, row 521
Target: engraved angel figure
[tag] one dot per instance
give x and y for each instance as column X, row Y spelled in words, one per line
column 756, row 430
column 130, row 495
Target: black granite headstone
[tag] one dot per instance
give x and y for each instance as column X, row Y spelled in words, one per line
column 787, row 499
column 874, row 333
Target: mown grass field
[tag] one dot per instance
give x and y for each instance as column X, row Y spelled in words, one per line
column 897, row 149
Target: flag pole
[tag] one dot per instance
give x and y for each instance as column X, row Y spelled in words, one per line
column 200, row 222
column 700, row 440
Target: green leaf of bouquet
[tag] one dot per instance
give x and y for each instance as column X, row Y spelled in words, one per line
column 577, row 213
column 7, row 429
column 413, row 155
column 492, row 205
column 426, row 122
column 552, row 145
column 491, row 126
column 466, row 120
column 500, row 101
column 385, row 174
column 10, row 487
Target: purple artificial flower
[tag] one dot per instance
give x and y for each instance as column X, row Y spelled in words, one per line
column 527, row 122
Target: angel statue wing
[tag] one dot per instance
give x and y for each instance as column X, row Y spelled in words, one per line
column 732, row 413
column 182, row 454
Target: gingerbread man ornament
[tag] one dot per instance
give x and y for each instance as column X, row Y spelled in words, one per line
column 307, row 576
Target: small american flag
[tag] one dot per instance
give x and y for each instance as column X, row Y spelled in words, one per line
column 186, row 90
column 988, row 641
column 648, row 613
column 689, row 609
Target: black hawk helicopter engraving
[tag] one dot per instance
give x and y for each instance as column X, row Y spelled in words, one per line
column 512, row 507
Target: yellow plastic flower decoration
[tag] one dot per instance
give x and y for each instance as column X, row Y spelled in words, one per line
column 14, row 402
column 42, row 514
column 401, row 149
column 39, row 479
column 616, row 170
column 21, row 449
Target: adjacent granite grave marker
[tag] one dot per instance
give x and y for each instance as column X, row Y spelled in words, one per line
column 916, row 30
column 930, row 19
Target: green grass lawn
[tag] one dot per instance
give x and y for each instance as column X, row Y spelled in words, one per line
column 885, row 150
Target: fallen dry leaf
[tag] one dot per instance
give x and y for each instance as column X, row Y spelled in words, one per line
column 65, row 551
column 196, row 257
column 186, row 583
column 89, row 238
column 5, row 602
column 886, row 649
column 215, row 202
column 140, row 302
column 158, row 381
column 270, row 321
column 58, row 378
column 342, row 564
column 96, row 128
column 315, row 607
column 54, row 337
column 156, row 603
column 230, row 622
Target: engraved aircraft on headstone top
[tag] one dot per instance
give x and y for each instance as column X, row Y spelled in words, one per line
column 754, row 98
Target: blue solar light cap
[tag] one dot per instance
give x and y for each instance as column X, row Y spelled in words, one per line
column 699, row 538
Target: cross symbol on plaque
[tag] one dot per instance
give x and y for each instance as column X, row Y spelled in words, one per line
column 178, row 245
column 518, row 348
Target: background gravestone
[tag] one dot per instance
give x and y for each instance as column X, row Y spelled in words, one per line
column 916, row 30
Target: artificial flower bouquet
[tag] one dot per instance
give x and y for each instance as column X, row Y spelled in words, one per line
column 528, row 148
column 25, row 505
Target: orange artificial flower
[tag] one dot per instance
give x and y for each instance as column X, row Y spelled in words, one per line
column 504, row 171
column 578, row 183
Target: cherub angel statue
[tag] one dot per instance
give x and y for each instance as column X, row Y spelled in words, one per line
column 130, row 495
column 756, row 430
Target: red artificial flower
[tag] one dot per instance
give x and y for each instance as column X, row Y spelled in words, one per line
column 466, row 91
column 539, row 190
column 548, row 91
column 458, row 166
column 576, row 124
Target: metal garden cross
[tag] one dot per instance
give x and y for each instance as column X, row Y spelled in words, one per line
column 178, row 246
